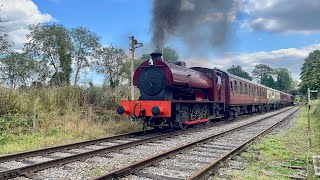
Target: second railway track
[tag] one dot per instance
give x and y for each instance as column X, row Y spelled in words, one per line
column 198, row 160
column 107, row 156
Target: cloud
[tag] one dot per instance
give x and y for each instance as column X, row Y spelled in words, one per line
column 17, row 16
column 282, row 16
column 291, row 58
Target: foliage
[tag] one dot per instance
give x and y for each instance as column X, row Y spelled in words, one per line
column 66, row 114
column 264, row 158
column 284, row 80
column 170, row 55
column 261, row 70
column 9, row 122
column 111, row 62
column 268, row 81
column 5, row 44
column 144, row 57
column 9, row 101
column 51, row 43
column 310, row 73
column 266, row 76
column 84, row 44
column 238, row 71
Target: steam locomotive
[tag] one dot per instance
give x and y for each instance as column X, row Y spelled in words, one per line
column 176, row 96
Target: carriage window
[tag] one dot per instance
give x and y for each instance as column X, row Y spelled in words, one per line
column 231, row 87
column 260, row 92
column 245, row 88
column 250, row 89
column 235, row 86
column 241, row 88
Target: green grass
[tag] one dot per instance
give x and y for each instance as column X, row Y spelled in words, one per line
column 66, row 114
column 264, row 157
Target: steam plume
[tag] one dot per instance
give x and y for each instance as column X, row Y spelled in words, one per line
column 200, row 23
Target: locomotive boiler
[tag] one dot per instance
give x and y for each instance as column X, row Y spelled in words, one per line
column 176, row 96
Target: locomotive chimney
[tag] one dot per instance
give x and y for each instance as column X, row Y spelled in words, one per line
column 156, row 55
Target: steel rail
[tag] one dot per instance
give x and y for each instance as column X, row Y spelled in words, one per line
column 11, row 157
column 131, row 169
column 207, row 171
column 30, row 169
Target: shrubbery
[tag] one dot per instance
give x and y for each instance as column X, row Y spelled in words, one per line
column 63, row 112
column 316, row 111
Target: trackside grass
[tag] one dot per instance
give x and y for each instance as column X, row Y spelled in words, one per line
column 65, row 115
column 271, row 156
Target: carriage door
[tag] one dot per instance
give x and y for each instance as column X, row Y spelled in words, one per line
column 219, row 86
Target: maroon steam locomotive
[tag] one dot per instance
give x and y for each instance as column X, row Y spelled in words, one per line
column 176, row 96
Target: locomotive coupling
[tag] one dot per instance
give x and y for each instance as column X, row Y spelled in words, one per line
column 157, row 110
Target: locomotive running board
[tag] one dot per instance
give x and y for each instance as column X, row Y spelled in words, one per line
column 196, row 121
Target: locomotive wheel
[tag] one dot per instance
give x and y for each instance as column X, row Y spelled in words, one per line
column 182, row 116
column 205, row 112
column 195, row 112
column 181, row 125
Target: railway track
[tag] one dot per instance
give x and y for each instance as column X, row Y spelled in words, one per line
column 36, row 164
column 199, row 159
column 26, row 163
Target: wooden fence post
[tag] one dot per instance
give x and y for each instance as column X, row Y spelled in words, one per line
column 35, row 122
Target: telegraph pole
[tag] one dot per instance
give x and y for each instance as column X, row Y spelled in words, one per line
column 133, row 45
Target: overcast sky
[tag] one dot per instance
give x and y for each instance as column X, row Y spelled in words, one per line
column 279, row 33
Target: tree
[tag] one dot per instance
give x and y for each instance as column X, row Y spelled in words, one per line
column 111, row 62
column 238, row 71
column 260, row 70
column 268, row 81
column 310, row 72
column 51, row 43
column 84, row 44
column 170, row 55
column 18, row 69
column 5, row 44
column 284, row 80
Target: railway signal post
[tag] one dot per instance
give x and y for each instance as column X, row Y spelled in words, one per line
column 133, row 45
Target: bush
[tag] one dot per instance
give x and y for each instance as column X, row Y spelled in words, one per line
column 15, row 124
column 66, row 114
column 316, row 111
column 9, row 101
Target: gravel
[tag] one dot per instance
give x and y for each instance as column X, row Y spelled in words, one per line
column 12, row 164
column 160, row 171
column 60, row 154
column 130, row 155
column 39, row 159
column 79, row 150
column 191, row 155
column 94, row 147
column 108, row 144
column 133, row 177
column 236, row 163
column 177, row 162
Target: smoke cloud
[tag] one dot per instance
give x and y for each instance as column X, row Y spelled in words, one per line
column 201, row 24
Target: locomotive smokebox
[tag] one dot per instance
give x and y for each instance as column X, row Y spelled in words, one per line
column 156, row 55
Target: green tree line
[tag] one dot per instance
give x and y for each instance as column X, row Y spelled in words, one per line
column 310, row 73
column 278, row 78
column 56, row 55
